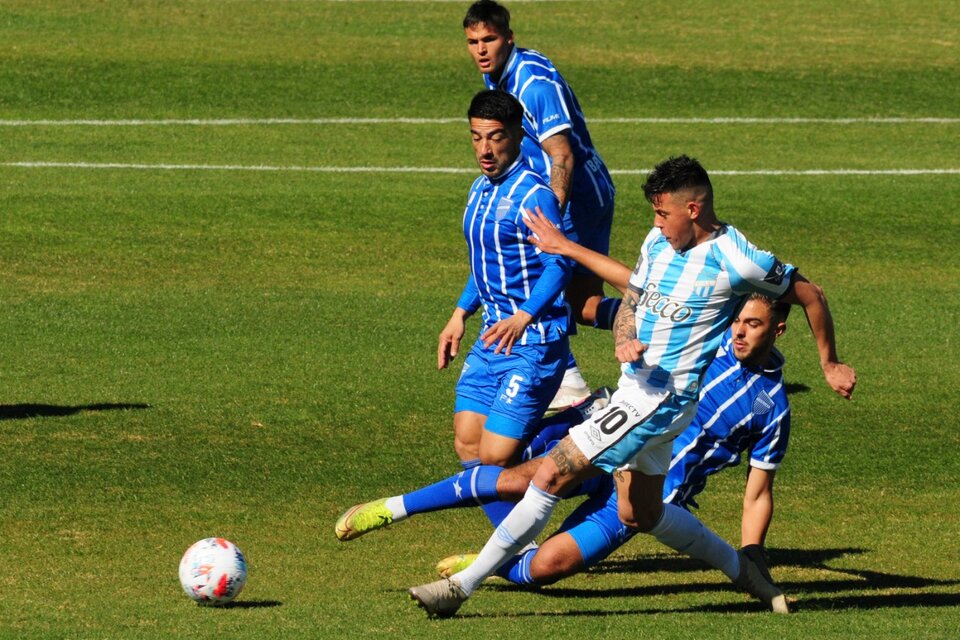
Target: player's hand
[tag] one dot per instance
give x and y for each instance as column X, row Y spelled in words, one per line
column 506, row 332
column 546, row 236
column 841, row 378
column 449, row 342
column 629, row 351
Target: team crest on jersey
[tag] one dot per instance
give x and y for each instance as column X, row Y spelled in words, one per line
column 703, row 287
column 762, row 404
column 503, row 209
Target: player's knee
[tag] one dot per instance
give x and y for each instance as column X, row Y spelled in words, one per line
column 640, row 517
column 548, row 566
column 466, row 449
column 499, row 458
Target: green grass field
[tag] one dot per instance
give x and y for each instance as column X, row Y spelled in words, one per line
column 191, row 351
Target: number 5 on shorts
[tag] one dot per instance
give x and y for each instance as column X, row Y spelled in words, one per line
column 513, row 387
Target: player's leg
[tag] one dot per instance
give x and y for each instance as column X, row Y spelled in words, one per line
column 589, row 223
column 478, row 485
column 591, row 533
column 527, row 379
column 607, row 436
column 564, row 467
column 640, row 491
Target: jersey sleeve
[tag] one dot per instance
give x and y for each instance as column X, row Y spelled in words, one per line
column 769, row 449
column 638, row 275
column 544, row 102
column 753, row 270
column 556, row 269
column 470, row 298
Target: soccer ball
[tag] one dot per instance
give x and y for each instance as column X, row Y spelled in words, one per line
column 213, row 571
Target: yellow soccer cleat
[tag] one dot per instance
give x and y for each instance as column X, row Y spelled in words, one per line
column 363, row 518
column 455, row 564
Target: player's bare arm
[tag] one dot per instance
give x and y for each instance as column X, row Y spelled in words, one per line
column 561, row 165
column 626, row 345
column 841, row 377
column 549, row 239
column 757, row 506
column 506, row 332
column 449, row 342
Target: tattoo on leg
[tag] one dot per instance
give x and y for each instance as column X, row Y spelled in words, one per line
column 568, row 458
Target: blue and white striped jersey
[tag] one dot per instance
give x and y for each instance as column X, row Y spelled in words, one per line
column 549, row 107
column 741, row 409
column 507, row 272
column 687, row 300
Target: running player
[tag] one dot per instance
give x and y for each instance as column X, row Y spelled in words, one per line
column 559, row 148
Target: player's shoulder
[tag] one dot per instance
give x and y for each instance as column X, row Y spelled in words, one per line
column 529, row 68
column 534, row 56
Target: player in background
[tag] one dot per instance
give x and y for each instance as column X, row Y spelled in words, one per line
column 517, row 363
column 559, row 148
column 691, row 278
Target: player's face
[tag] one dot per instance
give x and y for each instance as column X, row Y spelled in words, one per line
column 489, row 48
column 496, row 146
column 754, row 332
column 672, row 214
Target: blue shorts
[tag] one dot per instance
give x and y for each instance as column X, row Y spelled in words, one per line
column 595, row 525
column 589, row 224
column 512, row 391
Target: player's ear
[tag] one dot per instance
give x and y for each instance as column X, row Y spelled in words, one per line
column 694, row 208
column 780, row 329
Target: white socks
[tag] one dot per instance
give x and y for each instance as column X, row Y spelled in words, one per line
column 573, row 378
column 396, row 507
column 682, row 531
column 518, row 529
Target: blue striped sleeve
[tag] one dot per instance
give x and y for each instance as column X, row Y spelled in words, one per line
column 470, row 298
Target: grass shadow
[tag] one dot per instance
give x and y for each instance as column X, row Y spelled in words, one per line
column 251, row 604
column 24, row 411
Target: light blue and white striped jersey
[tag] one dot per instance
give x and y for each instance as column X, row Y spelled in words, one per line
column 741, row 409
column 687, row 300
column 549, row 107
column 507, row 272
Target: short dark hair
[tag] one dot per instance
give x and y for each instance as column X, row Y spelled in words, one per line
column 489, row 13
column 497, row 105
column 676, row 174
column 778, row 309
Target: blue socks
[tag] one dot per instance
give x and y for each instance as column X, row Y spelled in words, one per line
column 476, row 484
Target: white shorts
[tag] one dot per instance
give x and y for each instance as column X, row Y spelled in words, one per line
column 636, row 430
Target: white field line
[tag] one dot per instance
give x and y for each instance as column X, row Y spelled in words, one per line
column 228, row 122
column 328, row 169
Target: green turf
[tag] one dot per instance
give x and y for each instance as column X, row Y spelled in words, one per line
column 191, row 353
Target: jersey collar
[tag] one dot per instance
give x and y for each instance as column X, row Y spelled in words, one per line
column 514, row 168
column 508, row 69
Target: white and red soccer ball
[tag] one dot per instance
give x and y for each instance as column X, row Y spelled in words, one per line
column 213, row 571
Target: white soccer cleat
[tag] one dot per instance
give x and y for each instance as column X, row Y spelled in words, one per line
column 440, row 599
